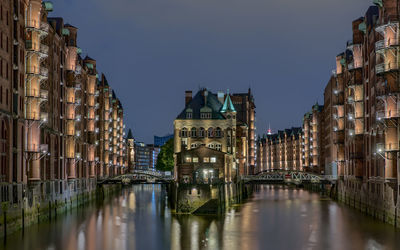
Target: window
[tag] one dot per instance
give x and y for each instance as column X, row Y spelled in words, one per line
column 189, row 115
column 195, row 159
column 213, row 159
column 210, row 132
column 188, row 159
column 205, row 115
column 218, row 132
column 193, row 145
column 201, row 133
column 211, row 145
column 218, row 147
column 184, row 133
column 206, row 159
column 193, row 132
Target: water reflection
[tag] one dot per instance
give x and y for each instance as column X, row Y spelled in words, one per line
column 275, row 217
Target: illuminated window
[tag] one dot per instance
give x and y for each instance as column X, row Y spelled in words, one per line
column 206, row 159
column 188, row 159
column 213, row 159
column 195, row 159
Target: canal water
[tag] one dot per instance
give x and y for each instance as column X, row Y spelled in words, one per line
column 276, row 217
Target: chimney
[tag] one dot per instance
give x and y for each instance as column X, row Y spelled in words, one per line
column 188, row 97
column 221, row 97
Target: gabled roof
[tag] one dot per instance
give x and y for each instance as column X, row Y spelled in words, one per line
column 198, row 104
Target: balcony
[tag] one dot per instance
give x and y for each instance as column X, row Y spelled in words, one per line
column 350, row 99
column 44, row 94
column 36, row 148
column 387, row 147
column 387, row 114
column 383, row 68
column 44, row 116
column 44, row 49
column 38, row 26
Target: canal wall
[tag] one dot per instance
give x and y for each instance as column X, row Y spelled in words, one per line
column 206, row 198
column 43, row 201
column 379, row 200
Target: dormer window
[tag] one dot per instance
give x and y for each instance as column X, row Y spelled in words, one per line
column 189, row 113
column 205, row 113
column 205, row 116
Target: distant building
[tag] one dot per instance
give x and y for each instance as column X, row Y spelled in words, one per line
column 159, row 141
column 146, row 155
column 154, row 151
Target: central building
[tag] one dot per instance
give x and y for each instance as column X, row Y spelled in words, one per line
column 205, row 139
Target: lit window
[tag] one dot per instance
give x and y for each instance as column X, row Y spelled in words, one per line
column 206, row 159
column 195, row 159
column 188, row 159
column 213, row 159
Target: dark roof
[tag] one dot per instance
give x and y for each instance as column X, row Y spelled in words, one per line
column 69, row 26
column 294, row 131
column 58, row 21
column 371, row 12
column 88, row 58
column 104, row 80
column 198, row 102
column 130, row 135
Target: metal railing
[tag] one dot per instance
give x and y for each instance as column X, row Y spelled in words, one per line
column 386, row 67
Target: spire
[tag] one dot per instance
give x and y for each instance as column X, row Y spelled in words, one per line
column 228, row 105
column 130, row 136
column 269, row 131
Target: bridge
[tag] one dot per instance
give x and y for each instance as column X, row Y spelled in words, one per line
column 289, row 177
column 137, row 176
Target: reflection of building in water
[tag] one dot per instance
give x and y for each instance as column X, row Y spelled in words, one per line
column 196, row 232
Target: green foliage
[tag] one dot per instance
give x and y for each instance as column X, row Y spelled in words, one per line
column 165, row 159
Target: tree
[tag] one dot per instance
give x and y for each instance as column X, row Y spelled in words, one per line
column 165, row 159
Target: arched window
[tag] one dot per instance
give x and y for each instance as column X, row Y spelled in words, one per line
column 210, row 132
column 193, row 132
column 218, row 132
column 184, row 133
column 202, row 133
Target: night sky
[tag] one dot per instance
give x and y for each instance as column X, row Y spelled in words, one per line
column 153, row 50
